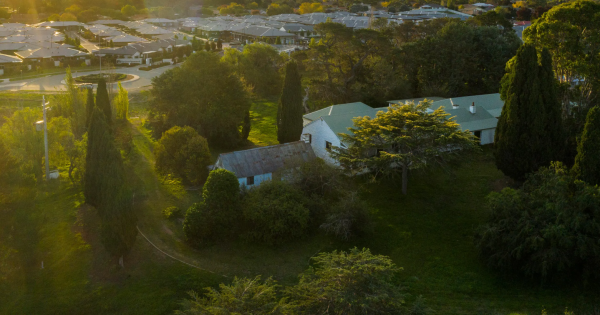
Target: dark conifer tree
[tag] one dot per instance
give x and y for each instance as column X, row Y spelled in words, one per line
column 587, row 161
column 99, row 139
column 246, row 126
column 289, row 111
column 103, row 102
column 89, row 107
column 528, row 134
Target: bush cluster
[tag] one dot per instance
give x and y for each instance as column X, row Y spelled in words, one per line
column 314, row 195
column 549, row 229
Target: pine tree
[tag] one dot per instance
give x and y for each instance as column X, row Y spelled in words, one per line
column 103, row 102
column 89, row 107
column 246, row 126
column 289, row 112
column 207, row 46
column 528, row 134
column 587, row 163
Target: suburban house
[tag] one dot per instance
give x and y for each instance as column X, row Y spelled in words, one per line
column 478, row 114
column 56, row 54
column 263, row 33
column 257, row 165
column 8, row 63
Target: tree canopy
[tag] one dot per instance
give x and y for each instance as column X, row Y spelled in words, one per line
column 203, row 93
column 183, row 153
column 587, row 163
column 403, row 137
column 548, row 229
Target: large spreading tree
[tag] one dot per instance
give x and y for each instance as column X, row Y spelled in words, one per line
column 571, row 32
column 529, row 132
column 203, row 93
column 405, row 137
column 289, row 111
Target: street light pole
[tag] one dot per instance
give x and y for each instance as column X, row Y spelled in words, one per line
column 44, row 105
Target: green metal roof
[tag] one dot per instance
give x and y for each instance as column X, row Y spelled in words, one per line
column 341, row 122
column 337, row 109
column 490, row 102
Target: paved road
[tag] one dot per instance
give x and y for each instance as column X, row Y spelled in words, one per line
column 53, row 82
column 89, row 46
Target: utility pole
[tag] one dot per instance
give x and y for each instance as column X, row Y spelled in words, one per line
column 44, row 105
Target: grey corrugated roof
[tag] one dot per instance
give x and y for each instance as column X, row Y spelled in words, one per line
column 266, row 160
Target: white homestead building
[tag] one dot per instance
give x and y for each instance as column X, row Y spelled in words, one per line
column 254, row 166
column 478, row 114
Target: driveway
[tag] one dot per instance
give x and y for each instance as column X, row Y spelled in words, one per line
column 53, row 82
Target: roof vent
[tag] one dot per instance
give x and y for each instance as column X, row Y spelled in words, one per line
column 454, row 106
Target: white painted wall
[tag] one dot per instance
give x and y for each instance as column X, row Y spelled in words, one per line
column 321, row 132
column 258, row 179
column 487, row 136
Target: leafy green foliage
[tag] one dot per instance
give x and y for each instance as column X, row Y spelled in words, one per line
column 441, row 57
column 243, row 296
column 216, row 216
column 548, row 229
column 202, row 93
column 529, row 132
column 354, row 282
column 183, row 153
column 276, row 211
column 587, row 163
column 172, row 212
column 289, row 111
column 405, row 137
column 258, row 64
column 23, row 141
column 570, row 32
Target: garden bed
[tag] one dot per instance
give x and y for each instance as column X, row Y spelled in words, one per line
column 110, row 78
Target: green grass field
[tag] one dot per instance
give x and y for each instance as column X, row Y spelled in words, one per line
column 428, row 233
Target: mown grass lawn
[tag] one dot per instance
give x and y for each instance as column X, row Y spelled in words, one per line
column 428, row 233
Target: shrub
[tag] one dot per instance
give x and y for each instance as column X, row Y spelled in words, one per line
column 94, row 78
column 172, row 212
column 549, row 229
column 183, row 153
column 356, row 282
column 275, row 212
column 217, row 216
column 348, row 218
column 243, row 296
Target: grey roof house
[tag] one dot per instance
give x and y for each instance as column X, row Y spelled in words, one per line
column 257, row 165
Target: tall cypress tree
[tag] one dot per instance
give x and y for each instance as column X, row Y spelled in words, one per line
column 89, row 107
column 99, row 138
column 103, row 102
column 528, row 134
column 289, row 111
column 587, row 163
column 105, row 187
